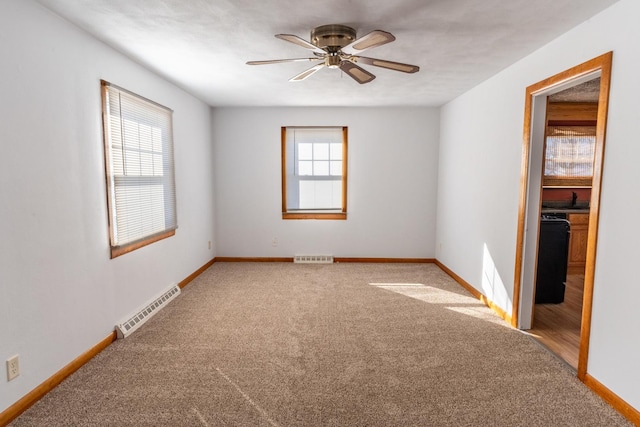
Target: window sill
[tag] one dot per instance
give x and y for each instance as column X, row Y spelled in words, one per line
column 559, row 181
column 315, row 215
column 116, row 251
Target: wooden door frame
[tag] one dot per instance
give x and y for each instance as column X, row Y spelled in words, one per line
column 601, row 64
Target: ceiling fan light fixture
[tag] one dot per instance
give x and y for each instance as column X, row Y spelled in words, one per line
column 332, row 61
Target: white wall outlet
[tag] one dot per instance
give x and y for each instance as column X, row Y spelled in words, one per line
column 274, row 242
column 13, row 367
column 209, row 244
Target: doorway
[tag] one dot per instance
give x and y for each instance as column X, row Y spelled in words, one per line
column 571, row 121
column 535, row 122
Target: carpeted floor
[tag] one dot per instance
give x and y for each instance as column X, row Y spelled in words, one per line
column 281, row 344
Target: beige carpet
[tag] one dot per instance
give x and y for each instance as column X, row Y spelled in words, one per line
column 280, row 344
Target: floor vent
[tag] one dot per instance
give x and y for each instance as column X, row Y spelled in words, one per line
column 128, row 327
column 313, row 259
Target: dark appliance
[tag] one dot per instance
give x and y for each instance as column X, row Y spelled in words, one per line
column 553, row 250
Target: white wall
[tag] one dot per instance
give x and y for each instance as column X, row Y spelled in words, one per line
column 479, row 172
column 391, row 183
column 60, row 294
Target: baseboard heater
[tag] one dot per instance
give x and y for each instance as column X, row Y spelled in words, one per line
column 313, row 259
column 134, row 322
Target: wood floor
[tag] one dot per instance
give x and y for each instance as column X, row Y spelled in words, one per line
column 557, row 326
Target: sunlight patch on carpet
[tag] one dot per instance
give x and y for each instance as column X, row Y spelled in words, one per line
column 453, row 301
column 479, row 312
column 426, row 293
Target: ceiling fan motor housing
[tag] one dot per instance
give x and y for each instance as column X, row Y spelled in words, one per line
column 332, row 37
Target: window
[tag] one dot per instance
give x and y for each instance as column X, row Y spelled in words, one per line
column 569, row 155
column 138, row 144
column 314, row 172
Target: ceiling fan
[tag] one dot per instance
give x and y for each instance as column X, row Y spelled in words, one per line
column 336, row 46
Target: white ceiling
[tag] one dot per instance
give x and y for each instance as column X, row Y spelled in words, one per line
column 203, row 45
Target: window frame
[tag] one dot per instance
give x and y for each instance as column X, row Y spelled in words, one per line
column 166, row 179
column 329, row 214
column 560, row 114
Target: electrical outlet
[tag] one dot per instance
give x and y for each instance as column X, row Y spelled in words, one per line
column 209, row 244
column 13, row 367
column 274, row 242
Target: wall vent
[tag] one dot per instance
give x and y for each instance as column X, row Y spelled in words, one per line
column 313, row 259
column 134, row 322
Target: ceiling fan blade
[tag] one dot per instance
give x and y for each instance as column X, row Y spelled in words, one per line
column 278, row 61
column 397, row 66
column 373, row 39
column 300, row 42
column 357, row 73
column 303, row 75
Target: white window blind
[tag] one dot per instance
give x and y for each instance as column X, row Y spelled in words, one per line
column 314, row 168
column 570, row 151
column 139, row 167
